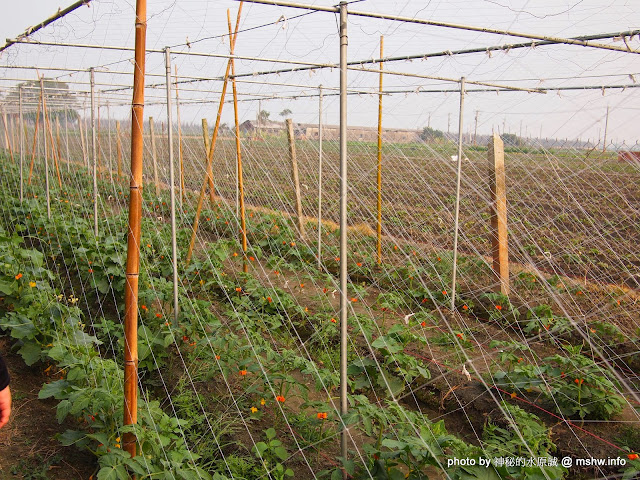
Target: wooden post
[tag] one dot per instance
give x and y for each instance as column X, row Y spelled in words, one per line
column 82, row 144
column 118, row 150
column 294, row 174
column 35, row 141
column 154, row 158
column 58, row 142
column 133, row 237
column 46, row 128
column 181, row 183
column 243, row 223
column 379, row 176
column 205, row 137
column 212, row 147
column 499, row 241
column 6, row 135
column 66, row 137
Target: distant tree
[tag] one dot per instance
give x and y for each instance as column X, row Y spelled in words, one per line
column 263, row 116
column 286, row 113
column 59, row 99
column 429, row 134
column 512, row 140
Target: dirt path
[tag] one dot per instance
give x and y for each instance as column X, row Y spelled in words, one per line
column 28, row 449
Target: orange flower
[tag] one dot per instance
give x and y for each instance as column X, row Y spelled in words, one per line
column 143, row 307
column 280, row 398
column 498, row 307
column 325, row 290
column 444, row 292
column 439, row 259
column 514, row 395
column 238, row 289
column 395, row 247
column 293, row 244
column 633, row 456
column 423, row 324
column 353, row 299
column 235, row 254
column 158, row 315
column 359, row 264
column 464, row 307
column 302, row 285
column 269, row 299
column 333, row 320
column 243, row 373
column 322, row 415
column 91, row 270
column 424, row 300
column 276, row 272
column 337, row 259
column 460, row 336
column 148, row 245
column 251, row 259
column 217, row 357
column 18, row 276
column 579, row 381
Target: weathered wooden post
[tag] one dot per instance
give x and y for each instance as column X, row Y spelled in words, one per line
column 205, row 137
column 294, row 174
column 118, row 150
column 498, row 198
column 154, row 157
column 379, row 176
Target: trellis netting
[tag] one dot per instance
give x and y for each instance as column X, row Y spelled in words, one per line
column 490, row 323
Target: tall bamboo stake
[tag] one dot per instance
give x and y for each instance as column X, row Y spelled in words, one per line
column 344, row 301
column 174, row 244
column 154, row 157
column 294, row 172
column 179, row 140
column 243, row 223
column 6, row 135
column 118, row 150
column 379, row 219
column 109, row 158
column 66, row 136
column 21, row 133
column 133, row 237
column 58, row 141
column 457, row 212
column 46, row 126
column 320, row 177
column 46, row 158
column 94, row 153
column 82, row 143
column 212, row 147
column 35, row 140
column 205, row 138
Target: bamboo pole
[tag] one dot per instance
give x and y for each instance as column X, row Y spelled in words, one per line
column 179, row 140
column 379, row 179
column 133, row 236
column 118, row 150
column 21, row 133
column 344, row 299
column 243, row 223
column 457, row 208
column 35, row 140
column 66, row 136
column 212, row 147
column 46, row 159
column 294, row 171
column 58, row 142
column 82, row 143
column 498, row 199
column 320, row 177
column 6, row 136
column 94, row 153
column 154, row 157
column 46, row 125
column 205, row 137
column 172, row 186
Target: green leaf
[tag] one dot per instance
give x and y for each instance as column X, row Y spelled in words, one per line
column 64, row 407
column 30, row 353
column 55, row 389
column 70, row 437
column 117, row 472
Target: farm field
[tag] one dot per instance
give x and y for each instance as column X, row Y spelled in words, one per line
column 254, row 355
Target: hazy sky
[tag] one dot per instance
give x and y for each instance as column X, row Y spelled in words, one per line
column 313, row 38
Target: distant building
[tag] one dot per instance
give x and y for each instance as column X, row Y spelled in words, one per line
column 307, row 131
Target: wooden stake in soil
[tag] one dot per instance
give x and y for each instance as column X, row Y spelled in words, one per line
column 205, row 137
column 46, row 124
column 379, row 218
column 6, row 136
column 243, row 223
column 212, row 147
column 66, row 137
column 46, row 158
column 82, row 144
column 154, row 158
column 94, row 153
column 320, row 177
column 133, row 237
column 294, row 173
column 58, row 142
column 118, row 150
column 21, row 133
column 498, row 196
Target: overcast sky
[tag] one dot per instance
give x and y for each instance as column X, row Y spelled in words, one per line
column 313, row 38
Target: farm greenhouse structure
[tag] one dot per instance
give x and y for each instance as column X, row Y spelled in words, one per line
column 285, row 246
